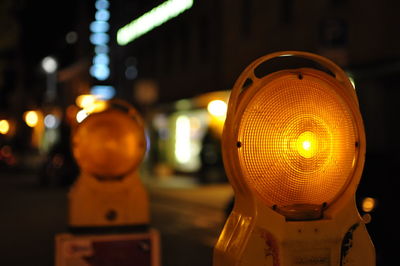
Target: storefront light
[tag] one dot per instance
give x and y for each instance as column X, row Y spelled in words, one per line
column 51, row 121
column 85, row 100
column 103, row 92
column 182, row 139
column 99, row 26
column 81, row 115
column 217, row 108
column 4, row 127
column 31, row 118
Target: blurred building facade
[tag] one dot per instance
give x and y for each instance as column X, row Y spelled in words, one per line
column 206, row 47
column 221, row 37
column 203, row 49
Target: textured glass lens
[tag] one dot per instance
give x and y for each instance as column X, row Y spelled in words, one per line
column 108, row 144
column 298, row 141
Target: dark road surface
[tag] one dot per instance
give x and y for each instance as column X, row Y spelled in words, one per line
column 31, row 216
column 188, row 216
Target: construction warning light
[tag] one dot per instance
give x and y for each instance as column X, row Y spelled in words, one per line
column 108, row 215
column 294, row 147
column 109, row 144
column 109, row 147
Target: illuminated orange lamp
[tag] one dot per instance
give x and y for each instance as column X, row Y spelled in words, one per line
column 109, row 147
column 294, row 148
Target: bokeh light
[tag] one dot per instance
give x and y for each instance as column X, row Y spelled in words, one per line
column 31, row 118
column 4, row 127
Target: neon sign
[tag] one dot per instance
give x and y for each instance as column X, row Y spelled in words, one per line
column 152, row 19
column 100, row 38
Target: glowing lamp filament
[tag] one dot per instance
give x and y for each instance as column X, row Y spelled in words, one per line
column 306, row 144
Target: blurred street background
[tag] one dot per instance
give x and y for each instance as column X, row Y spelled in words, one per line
column 60, row 60
column 188, row 217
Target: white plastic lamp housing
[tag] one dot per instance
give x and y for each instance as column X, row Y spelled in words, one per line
column 294, row 147
column 109, row 147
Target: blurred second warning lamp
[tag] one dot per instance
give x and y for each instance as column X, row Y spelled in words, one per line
column 109, row 146
column 293, row 148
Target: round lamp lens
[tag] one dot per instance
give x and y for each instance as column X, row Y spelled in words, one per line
column 298, row 141
column 109, row 144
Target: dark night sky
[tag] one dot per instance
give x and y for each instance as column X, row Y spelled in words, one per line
column 44, row 26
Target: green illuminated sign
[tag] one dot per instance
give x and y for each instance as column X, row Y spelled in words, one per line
column 151, row 20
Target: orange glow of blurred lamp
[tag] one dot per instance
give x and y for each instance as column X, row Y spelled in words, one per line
column 109, row 147
column 294, row 147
